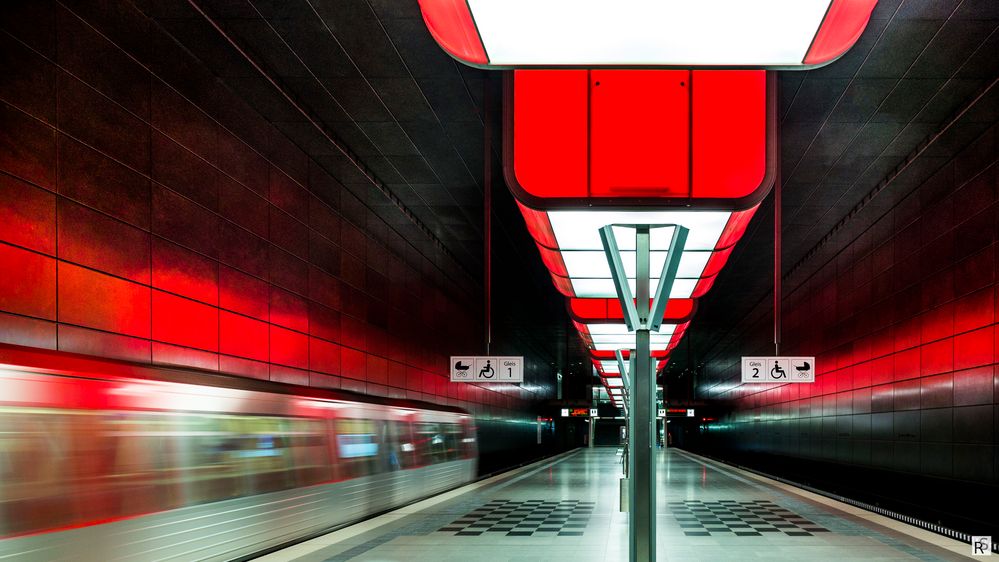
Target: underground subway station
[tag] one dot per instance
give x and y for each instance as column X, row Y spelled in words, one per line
column 499, row 280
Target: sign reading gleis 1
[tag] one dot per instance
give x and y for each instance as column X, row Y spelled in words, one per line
column 487, row 369
column 778, row 369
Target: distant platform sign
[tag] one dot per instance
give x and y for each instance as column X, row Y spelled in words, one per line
column 487, row 369
column 778, row 369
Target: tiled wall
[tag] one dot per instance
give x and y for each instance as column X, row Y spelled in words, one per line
column 149, row 215
column 902, row 321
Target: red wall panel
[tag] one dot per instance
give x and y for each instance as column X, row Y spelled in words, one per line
column 97, row 241
column 324, row 356
column 29, row 215
column 289, row 348
column 185, row 322
column 186, row 273
column 95, row 300
column 27, row 147
column 93, row 179
column 243, row 293
column 28, row 283
column 243, row 336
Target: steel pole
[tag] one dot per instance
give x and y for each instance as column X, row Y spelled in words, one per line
column 643, row 395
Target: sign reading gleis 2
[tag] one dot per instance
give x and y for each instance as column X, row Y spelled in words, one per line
column 778, row 369
column 487, row 369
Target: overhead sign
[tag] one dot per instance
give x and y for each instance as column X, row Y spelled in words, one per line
column 690, row 412
column 487, row 369
column 661, row 413
column 778, row 369
column 594, row 413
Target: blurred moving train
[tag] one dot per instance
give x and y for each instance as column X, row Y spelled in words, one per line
column 105, row 465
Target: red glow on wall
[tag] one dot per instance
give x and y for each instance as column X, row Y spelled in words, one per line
column 242, row 336
column 185, row 322
column 28, row 283
column 95, row 300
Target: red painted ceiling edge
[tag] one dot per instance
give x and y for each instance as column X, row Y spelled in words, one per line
column 589, row 310
column 845, row 21
column 450, row 23
column 602, row 355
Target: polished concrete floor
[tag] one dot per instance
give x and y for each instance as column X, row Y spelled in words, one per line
column 567, row 509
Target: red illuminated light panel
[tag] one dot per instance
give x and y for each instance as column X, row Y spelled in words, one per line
column 784, row 34
column 587, row 148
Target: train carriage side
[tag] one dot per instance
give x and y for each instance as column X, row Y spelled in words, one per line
column 101, row 467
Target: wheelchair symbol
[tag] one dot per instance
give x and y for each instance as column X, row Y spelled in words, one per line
column 777, row 373
column 487, row 369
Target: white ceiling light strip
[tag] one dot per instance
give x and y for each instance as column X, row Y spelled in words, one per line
column 647, row 32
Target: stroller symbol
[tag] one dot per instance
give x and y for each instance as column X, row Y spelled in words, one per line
column 777, row 372
column 487, row 369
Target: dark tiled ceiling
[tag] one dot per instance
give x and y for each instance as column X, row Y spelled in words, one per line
column 368, row 74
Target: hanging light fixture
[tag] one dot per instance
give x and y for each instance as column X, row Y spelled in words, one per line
column 592, row 33
column 587, row 148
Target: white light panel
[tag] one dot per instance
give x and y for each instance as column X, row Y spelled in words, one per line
column 604, row 288
column 647, row 32
column 614, row 382
column 580, row 230
column 626, row 340
column 609, row 367
column 589, row 263
column 622, row 330
column 615, row 346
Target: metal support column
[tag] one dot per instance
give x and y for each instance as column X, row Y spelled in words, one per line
column 643, row 395
column 640, row 379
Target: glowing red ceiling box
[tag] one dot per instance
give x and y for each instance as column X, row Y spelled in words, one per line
column 588, row 148
column 601, row 326
column 776, row 34
column 609, row 310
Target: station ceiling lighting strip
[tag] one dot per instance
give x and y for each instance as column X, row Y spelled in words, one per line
column 683, row 33
column 587, row 149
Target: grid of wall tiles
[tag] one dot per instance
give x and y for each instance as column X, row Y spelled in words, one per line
column 902, row 321
column 139, row 225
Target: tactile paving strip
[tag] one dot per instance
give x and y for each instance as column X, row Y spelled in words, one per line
column 741, row 518
column 567, row 518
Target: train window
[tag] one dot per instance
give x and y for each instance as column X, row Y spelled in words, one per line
column 310, row 447
column 399, row 449
column 357, row 447
column 35, row 456
column 430, row 443
column 452, row 441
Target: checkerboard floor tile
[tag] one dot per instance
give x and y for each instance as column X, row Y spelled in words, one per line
column 741, row 518
column 566, row 518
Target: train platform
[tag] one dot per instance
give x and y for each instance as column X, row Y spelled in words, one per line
column 566, row 508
